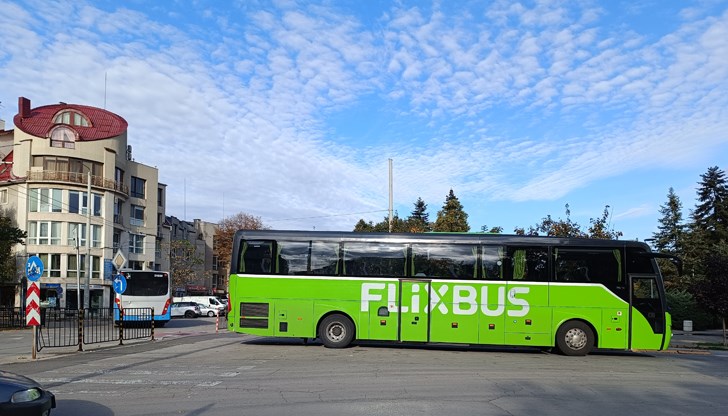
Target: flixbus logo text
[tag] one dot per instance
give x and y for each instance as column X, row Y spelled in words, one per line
column 464, row 299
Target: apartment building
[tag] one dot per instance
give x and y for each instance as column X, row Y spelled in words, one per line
column 69, row 179
column 208, row 278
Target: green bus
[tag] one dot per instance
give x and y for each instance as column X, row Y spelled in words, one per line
column 573, row 294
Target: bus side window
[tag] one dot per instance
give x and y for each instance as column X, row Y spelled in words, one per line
column 527, row 263
column 257, row 257
column 492, row 263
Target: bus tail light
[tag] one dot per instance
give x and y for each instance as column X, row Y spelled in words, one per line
column 229, row 305
column 166, row 306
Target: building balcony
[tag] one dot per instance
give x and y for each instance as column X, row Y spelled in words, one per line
column 78, row 179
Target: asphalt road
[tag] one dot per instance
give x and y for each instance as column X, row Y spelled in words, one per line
column 191, row 370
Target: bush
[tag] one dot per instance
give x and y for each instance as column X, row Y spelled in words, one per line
column 683, row 306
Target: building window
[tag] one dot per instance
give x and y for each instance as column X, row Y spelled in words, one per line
column 74, row 264
column 95, row 236
column 137, row 187
column 63, row 137
column 78, row 202
column 136, row 265
column 136, row 243
column 45, row 200
column 52, row 263
column 137, row 215
column 76, row 234
column 71, row 117
column 44, row 232
column 160, row 197
column 3, row 196
column 116, row 243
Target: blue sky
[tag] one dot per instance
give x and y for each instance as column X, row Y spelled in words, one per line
column 290, row 110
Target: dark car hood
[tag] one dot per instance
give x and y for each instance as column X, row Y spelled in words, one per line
column 10, row 383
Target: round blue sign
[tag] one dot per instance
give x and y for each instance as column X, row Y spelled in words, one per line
column 119, row 284
column 34, row 268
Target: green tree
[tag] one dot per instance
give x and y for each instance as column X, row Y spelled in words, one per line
column 599, row 227
column 711, row 214
column 669, row 235
column 10, row 235
column 183, row 262
column 556, row 228
column 398, row 226
column 492, row 230
column 711, row 289
column 451, row 218
column 419, row 219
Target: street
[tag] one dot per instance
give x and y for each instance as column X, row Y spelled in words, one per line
column 192, row 370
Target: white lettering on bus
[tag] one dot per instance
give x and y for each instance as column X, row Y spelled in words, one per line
column 464, row 299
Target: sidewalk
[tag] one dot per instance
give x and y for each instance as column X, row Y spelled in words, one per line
column 696, row 339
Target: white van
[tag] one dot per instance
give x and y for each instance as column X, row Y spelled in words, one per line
column 209, row 301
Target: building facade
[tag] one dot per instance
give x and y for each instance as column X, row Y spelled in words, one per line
column 208, row 278
column 54, row 158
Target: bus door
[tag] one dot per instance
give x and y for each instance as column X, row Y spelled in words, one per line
column 414, row 300
column 647, row 312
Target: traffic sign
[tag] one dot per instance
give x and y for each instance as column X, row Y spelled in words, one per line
column 34, row 268
column 119, row 284
column 32, row 304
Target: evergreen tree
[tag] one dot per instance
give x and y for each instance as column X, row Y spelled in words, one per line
column 668, row 238
column 10, row 235
column 711, row 214
column 451, row 218
column 419, row 219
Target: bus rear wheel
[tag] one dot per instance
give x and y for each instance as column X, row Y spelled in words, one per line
column 336, row 331
column 574, row 338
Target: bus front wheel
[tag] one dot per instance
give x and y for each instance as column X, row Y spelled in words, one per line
column 336, row 331
column 574, row 338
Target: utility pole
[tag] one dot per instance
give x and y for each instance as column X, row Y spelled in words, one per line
column 86, row 293
column 390, row 195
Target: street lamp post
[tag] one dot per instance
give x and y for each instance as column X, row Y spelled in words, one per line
column 86, row 293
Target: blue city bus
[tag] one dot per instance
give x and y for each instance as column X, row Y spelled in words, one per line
column 145, row 289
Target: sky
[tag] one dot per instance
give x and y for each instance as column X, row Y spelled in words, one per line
column 291, row 110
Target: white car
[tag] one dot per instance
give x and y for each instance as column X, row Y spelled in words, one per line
column 208, row 311
column 186, row 309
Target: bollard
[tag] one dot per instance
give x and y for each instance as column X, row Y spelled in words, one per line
column 217, row 322
column 121, row 326
column 80, row 329
column 688, row 326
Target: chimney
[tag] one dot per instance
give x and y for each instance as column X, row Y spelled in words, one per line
column 23, row 107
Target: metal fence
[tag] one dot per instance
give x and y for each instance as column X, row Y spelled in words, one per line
column 11, row 318
column 61, row 327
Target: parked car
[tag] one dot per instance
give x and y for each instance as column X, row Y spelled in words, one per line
column 20, row 395
column 186, row 309
column 206, row 310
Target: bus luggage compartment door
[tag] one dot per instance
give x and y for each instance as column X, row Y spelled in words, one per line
column 414, row 299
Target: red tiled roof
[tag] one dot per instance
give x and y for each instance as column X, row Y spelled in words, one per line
column 39, row 121
column 6, row 169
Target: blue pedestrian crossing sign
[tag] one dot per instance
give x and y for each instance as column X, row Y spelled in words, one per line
column 119, row 284
column 34, row 268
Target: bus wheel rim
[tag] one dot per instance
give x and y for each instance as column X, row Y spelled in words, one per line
column 575, row 338
column 336, row 331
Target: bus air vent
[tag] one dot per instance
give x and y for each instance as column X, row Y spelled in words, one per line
column 259, row 310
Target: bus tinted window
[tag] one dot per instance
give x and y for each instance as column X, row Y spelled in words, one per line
column 588, row 266
column 492, row 263
column 146, row 283
column 256, row 257
column 375, row 259
column 292, row 257
column 527, row 264
column 324, row 258
column 446, row 261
